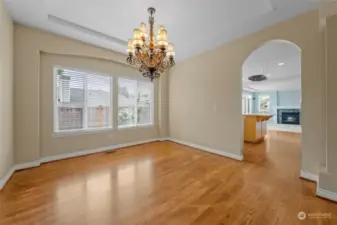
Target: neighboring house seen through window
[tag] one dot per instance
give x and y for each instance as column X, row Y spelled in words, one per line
column 83, row 101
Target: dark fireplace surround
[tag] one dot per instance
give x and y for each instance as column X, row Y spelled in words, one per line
column 289, row 116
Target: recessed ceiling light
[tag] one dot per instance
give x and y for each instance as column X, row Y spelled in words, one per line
column 280, row 64
column 243, row 78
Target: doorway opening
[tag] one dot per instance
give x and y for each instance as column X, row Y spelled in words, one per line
column 271, row 97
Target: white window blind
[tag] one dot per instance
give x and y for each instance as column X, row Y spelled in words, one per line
column 135, row 103
column 82, row 100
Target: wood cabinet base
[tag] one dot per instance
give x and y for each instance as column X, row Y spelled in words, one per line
column 255, row 128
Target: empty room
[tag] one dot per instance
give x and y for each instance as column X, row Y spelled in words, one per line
column 168, row 112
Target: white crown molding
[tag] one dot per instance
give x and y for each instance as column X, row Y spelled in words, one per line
column 309, row 176
column 85, row 30
column 326, row 194
column 207, row 149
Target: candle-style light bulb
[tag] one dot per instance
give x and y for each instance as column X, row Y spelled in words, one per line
column 170, row 50
column 162, row 37
column 137, row 38
column 143, row 29
column 131, row 47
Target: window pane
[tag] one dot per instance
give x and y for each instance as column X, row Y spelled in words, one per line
column 83, row 100
column 144, row 114
column 144, row 102
column 126, row 116
column 99, row 116
column 135, row 101
column 126, row 92
column 264, row 103
column 250, row 103
column 70, row 118
column 99, row 101
column 70, row 87
column 144, row 91
column 70, row 99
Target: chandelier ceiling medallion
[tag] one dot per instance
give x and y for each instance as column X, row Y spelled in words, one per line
column 152, row 57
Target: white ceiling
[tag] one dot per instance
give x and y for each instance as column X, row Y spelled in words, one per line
column 279, row 61
column 193, row 25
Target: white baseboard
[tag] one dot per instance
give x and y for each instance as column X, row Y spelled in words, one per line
column 207, row 149
column 327, row 194
column 93, row 151
column 37, row 163
column 26, row 165
column 309, row 176
column 163, row 139
column 6, row 178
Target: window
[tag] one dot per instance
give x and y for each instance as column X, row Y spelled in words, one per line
column 264, row 103
column 247, row 104
column 135, row 103
column 82, row 101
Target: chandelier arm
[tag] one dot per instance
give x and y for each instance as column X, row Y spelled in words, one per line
column 130, row 59
column 171, row 61
column 161, row 58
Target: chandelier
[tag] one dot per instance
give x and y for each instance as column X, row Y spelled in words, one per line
column 152, row 57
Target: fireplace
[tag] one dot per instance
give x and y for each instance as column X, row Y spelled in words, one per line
column 289, row 116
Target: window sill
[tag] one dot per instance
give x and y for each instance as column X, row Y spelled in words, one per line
column 82, row 132
column 128, row 127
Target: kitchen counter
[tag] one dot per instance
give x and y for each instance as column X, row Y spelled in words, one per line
column 255, row 127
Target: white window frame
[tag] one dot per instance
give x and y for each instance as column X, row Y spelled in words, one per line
column 260, row 98
column 151, row 124
column 85, row 114
column 248, row 104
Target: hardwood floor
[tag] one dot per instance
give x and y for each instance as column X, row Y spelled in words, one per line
column 165, row 183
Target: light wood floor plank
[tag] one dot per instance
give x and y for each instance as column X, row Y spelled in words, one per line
column 165, row 183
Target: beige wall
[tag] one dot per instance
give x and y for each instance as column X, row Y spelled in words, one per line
column 205, row 91
column 36, row 54
column 6, row 91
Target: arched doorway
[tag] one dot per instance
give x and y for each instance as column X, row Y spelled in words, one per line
column 271, row 87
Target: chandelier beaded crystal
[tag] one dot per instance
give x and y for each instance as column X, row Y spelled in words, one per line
column 151, row 57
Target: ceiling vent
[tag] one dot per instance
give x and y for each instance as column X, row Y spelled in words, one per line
column 256, row 78
column 85, row 30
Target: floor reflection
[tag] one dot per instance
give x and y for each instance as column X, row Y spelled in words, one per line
column 120, row 189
